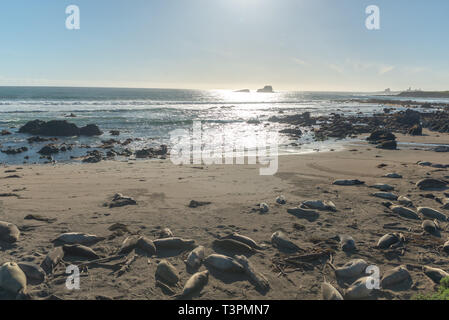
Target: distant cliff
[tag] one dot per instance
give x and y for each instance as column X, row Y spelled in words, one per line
column 425, row 94
column 266, row 89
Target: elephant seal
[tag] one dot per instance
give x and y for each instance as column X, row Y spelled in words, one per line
column 390, row 239
column 167, row 272
column 446, row 246
column 432, row 213
column 404, row 212
column 79, row 250
column 319, row 205
column 347, row 243
column 78, row 238
column 359, row 289
column 329, row 292
column 243, row 239
column 173, row 243
column 282, row 242
column 281, row 200
column 233, row 246
column 304, row 213
column 430, row 184
column 195, row 257
column 9, row 232
column 351, row 269
column 224, row 263
column 263, row 208
column 395, row 276
column 128, row 245
column 165, row 233
column 259, row 279
column 195, row 284
column 435, row 274
column 403, row 200
column 386, row 195
column 353, row 182
column 382, row 187
column 392, row 176
column 146, row 245
column 33, row 272
column 12, row 278
column 52, row 259
column 431, row 227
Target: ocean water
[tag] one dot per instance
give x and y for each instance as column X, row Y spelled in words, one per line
column 150, row 115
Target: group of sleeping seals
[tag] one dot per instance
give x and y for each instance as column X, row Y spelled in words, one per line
column 361, row 288
column 167, row 276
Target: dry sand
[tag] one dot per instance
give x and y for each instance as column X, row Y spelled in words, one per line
column 74, row 194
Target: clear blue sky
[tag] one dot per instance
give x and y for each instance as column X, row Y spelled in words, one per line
column 230, row 44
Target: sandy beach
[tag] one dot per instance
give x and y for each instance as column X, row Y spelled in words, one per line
column 74, row 196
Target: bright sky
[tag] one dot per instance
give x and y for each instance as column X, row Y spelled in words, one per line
column 226, row 44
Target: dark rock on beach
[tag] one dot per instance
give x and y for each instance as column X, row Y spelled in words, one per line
column 381, row 135
column 93, row 157
column 13, row 151
column 387, row 144
column 59, row 128
column 49, row 149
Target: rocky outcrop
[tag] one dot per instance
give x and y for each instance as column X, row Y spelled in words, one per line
column 49, row 149
column 152, row 152
column 93, row 157
column 59, row 128
column 13, row 151
column 381, row 135
column 268, row 89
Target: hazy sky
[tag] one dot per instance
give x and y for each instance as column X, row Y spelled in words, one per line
column 229, row 44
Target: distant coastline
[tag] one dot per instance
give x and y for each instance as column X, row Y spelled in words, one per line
column 425, row 94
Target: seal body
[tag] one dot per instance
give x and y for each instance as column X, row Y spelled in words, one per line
column 244, row 239
column 432, row 213
column 359, row 289
column 33, row 272
column 146, row 245
column 233, row 245
column 173, row 243
column 195, row 257
column 9, row 232
column 388, row 240
column 329, row 292
column 128, row 245
column 351, row 269
column 167, row 272
column 395, row 276
column 52, row 259
column 224, row 263
column 280, row 240
column 195, row 283
column 79, row 250
column 12, row 278
column 78, row 238
column 405, row 212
